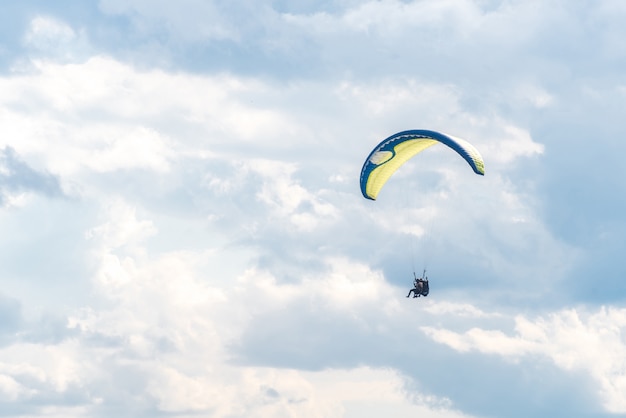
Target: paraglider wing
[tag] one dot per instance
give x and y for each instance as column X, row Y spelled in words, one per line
column 394, row 151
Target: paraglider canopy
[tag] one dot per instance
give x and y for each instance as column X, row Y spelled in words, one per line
column 394, row 151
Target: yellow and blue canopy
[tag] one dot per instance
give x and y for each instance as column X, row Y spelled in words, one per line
column 394, row 151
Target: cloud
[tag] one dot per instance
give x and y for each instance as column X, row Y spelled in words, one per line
column 164, row 330
column 573, row 340
column 53, row 38
column 44, row 31
column 155, row 122
column 212, row 254
column 97, row 114
column 190, row 20
column 17, row 179
column 12, row 317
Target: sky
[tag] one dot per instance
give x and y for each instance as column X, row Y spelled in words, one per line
column 183, row 233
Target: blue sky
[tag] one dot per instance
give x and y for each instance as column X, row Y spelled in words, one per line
column 183, row 232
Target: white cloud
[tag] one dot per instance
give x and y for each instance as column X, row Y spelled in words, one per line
column 191, row 20
column 123, row 228
column 102, row 115
column 459, row 310
column 199, row 190
column 368, row 392
column 170, row 325
column 282, row 194
column 513, row 144
column 391, row 18
column 38, row 372
column 574, row 340
column 10, row 389
column 53, row 38
column 45, row 32
column 392, row 96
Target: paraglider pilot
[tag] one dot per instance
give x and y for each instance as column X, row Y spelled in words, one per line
column 420, row 286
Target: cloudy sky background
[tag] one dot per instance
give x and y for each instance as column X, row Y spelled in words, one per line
column 183, row 233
